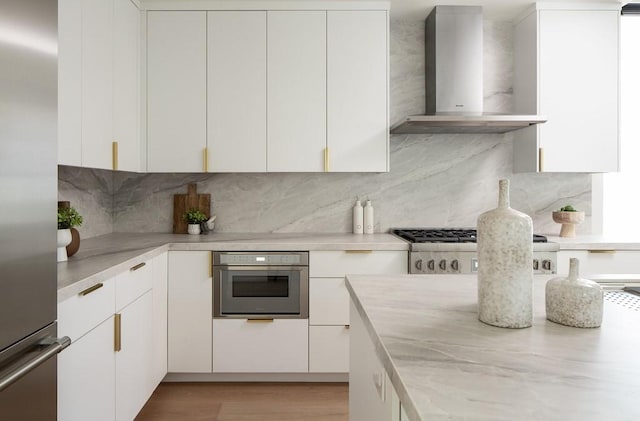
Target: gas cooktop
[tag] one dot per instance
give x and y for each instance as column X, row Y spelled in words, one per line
column 446, row 235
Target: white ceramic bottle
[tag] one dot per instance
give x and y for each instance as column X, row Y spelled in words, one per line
column 368, row 218
column 572, row 301
column 358, row 218
column 505, row 272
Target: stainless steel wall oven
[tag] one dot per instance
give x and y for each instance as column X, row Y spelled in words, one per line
column 259, row 285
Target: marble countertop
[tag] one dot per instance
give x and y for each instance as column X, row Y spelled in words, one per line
column 596, row 242
column 446, row 364
column 102, row 257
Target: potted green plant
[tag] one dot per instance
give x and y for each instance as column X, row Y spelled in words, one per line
column 68, row 218
column 194, row 218
column 569, row 217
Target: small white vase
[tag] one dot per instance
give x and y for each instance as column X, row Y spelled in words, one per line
column 572, row 301
column 193, row 229
column 64, row 239
column 505, row 272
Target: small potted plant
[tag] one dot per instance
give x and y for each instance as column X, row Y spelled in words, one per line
column 568, row 216
column 68, row 218
column 194, row 218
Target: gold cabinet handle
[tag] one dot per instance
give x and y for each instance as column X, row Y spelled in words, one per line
column 607, row 251
column 358, row 251
column 138, row 266
column 114, row 155
column 259, row 320
column 540, row 159
column 91, row 289
column 117, row 332
column 205, row 160
column 347, row 327
column 326, row 159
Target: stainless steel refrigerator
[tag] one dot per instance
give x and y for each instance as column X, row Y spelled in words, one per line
column 28, row 201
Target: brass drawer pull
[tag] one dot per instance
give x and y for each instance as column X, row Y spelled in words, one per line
column 358, row 251
column 259, row 320
column 91, row 289
column 117, row 332
column 347, row 327
column 138, row 266
column 602, row 251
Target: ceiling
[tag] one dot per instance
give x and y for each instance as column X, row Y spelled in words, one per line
column 492, row 9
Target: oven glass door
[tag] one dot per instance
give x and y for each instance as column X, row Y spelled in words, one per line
column 261, row 291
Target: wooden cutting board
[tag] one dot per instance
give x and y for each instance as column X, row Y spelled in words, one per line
column 183, row 202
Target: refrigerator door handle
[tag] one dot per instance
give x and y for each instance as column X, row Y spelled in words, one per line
column 50, row 347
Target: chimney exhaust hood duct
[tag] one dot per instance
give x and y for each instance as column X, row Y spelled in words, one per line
column 453, row 65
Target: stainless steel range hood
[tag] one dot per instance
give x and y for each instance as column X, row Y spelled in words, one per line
column 453, row 64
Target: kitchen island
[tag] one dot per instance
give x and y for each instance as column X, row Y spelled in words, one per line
column 444, row 363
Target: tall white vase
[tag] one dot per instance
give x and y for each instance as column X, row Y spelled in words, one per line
column 505, row 273
column 64, row 239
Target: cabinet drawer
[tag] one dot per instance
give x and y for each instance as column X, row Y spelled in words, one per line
column 328, row 301
column 600, row 261
column 278, row 346
column 328, row 349
column 132, row 283
column 79, row 314
column 341, row 263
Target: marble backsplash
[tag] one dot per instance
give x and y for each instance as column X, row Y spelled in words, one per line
column 435, row 180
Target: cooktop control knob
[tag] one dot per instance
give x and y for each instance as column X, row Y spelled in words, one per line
column 454, row 265
column 546, row 264
column 443, row 264
column 419, row 264
column 431, row 264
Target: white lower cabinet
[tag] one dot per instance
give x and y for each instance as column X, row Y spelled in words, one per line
column 328, row 349
column 133, row 362
column 190, row 312
column 260, row 346
column 115, row 359
column 595, row 262
column 86, row 377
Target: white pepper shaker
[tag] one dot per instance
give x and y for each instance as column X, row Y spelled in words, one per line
column 573, row 301
column 358, row 217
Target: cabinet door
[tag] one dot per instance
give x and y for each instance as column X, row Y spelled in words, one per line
column 86, row 377
column 600, row 262
column 190, row 312
column 357, row 119
column 159, row 269
column 126, row 88
column 70, row 82
column 260, row 346
column 134, row 359
column 578, row 91
column 97, row 83
column 176, row 91
column 328, row 302
column 297, row 99
column 328, row 349
column 236, row 113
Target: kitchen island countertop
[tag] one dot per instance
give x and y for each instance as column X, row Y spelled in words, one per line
column 446, row 364
column 102, row 257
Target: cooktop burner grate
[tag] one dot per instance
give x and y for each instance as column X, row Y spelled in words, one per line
column 445, row 235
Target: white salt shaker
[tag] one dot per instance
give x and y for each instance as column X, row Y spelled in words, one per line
column 573, row 301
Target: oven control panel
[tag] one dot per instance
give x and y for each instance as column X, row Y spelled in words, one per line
column 465, row 262
column 261, row 259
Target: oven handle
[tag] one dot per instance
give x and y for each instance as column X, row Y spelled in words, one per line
column 256, row 268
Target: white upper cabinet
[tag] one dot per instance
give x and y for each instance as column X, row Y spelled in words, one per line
column 357, row 116
column 297, row 90
column 567, row 69
column 176, row 91
column 98, row 84
column 126, row 86
column 236, row 91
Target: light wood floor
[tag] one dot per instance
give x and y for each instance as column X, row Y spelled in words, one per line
column 247, row 402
